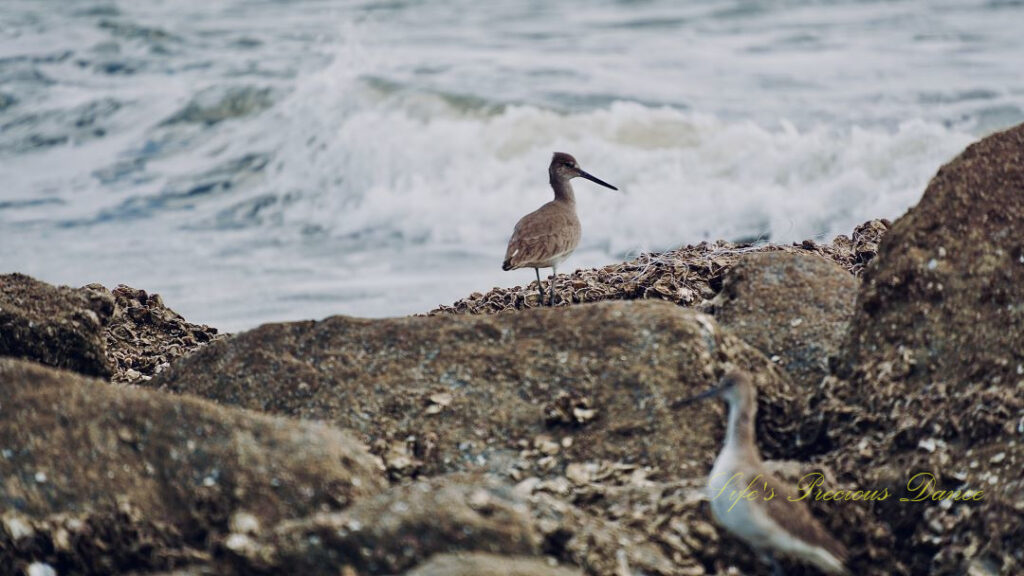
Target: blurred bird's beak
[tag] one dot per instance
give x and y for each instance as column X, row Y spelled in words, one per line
column 706, row 394
column 597, row 180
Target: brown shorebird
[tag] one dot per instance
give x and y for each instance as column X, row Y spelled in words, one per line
column 548, row 235
column 769, row 517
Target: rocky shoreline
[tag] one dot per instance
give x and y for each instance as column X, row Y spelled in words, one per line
column 493, row 436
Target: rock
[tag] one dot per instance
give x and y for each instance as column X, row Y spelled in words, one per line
column 930, row 376
column 127, row 335
column 615, row 369
column 603, row 545
column 940, row 311
column 99, row 479
column 866, row 239
column 791, row 306
column 688, row 276
column 471, row 515
column 489, row 564
column 400, row 529
column 666, row 528
column 143, row 336
column 57, row 326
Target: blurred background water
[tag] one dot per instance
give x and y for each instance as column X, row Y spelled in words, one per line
column 260, row 160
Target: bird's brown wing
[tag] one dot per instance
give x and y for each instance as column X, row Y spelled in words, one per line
column 540, row 236
column 796, row 518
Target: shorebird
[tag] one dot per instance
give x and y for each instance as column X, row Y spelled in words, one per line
column 547, row 236
column 754, row 505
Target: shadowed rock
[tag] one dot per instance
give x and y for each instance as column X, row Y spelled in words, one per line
column 57, row 326
column 792, row 307
column 97, row 479
column 450, row 393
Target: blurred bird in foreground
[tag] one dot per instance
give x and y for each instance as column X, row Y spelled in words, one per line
column 773, row 522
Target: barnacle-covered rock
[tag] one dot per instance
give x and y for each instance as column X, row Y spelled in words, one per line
column 792, row 307
column 606, row 375
column 98, row 479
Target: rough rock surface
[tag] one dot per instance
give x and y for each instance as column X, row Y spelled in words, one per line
column 451, row 393
column 792, row 307
column 124, row 334
column 602, row 517
column 932, row 376
column 143, row 336
column 98, row 478
column 944, row 306
column 57, row 326
column 601, row 541
column 688, row 276
column 399, row 529
column 475, row 513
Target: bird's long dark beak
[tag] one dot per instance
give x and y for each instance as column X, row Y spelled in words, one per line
column 597, row 180
column 706, row 394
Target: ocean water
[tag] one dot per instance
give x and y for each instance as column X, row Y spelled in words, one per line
column 263, row 160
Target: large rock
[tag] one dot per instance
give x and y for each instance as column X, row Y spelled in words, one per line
column 398, row 530
column 933, row 368
column 58, row 326
column 97, row 479
column 941, row 310
column 792, row 307
column 450, row 393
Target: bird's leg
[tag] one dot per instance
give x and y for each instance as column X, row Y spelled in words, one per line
column 540, row 287
column 776, row 567
column 554, row 274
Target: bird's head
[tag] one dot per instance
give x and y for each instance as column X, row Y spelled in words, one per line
column 734, row 387
column 564, row 167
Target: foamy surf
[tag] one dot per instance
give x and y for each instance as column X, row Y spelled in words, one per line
column 384, row 175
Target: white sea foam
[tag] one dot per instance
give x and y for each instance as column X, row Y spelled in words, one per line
column 413, row 168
